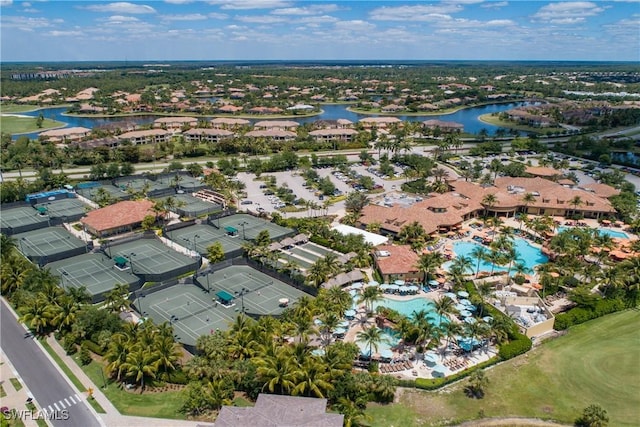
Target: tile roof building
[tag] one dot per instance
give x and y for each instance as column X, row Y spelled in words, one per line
column 151, row 136
column 397, row 262
column 207, row 135
column 273, row 410
column 65, row 134
column 117, row 218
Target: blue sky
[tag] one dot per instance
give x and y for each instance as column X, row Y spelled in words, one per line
column 319, row 30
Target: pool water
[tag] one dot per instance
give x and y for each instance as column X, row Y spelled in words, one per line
column 390, row 339
column 407, row 307
column 529, row 255
column 605, row 231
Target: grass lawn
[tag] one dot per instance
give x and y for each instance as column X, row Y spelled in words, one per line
column 157, row 405
column 16, row 383
column 494, row 120
column 16, row 108
column 596, row 362
column 11, row 124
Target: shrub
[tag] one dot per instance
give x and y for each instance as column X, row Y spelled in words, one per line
column 178, row 377
column 69, row 346
column 85, row 355
column 578, row 315
column 93, row 347
column 436, row 383
column 517, row 346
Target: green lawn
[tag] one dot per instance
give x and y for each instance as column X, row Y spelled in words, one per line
column 157, row 405
column 596, row 362
column 16, row 108
column 11, row 124
column 494, row 120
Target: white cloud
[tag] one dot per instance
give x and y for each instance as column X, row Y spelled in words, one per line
column 121, row 7
column 5, row 3
column 355, row 25
column 26, row 23
column 186, row 17
column 250, row 4
column 178, row 1
column 214, row 15
column 495, row 4
column 414, row 13
column 314, row 9
column 567, row 12
column 118, row 19
column 324, row 19
column 57, row 33
column 260, row 19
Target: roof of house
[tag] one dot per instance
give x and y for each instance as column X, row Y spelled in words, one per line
column 271, row 133
column 230, row 121
column 270, row 124
column 542, row 171
column 143, row 133
column 273, row 410
column 207, row 131
column 122, row 214
column 78, row 130
column 170, row 120
column 333, row 132
column 602, row 190
column 401, row 260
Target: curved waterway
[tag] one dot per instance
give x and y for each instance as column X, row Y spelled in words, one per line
column 469, row 117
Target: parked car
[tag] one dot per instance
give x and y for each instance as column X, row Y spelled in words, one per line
column 246, row 202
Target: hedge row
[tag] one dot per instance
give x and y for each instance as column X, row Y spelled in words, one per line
column 516, row 346
column 319, row 240
column 578, row 315
column 436, row 383
column 93, row 347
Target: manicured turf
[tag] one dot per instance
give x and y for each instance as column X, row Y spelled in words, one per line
column 595, row 363
column 16, row 108
column 157, row 405
column 11, row 124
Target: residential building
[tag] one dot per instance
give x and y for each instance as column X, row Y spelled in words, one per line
column 141, row 137
column 64, row 135
column 207, row 135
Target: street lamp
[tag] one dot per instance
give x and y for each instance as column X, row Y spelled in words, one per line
column 131, row 255
column 242, row 224
column 138, row 297
column 64, row 275
column 195, row 236
column 241, row 294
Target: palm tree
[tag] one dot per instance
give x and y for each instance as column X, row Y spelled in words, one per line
column 575, row 202
column 116, row 355
column 370, row 337
column 444, row 306
column 428, row 263
column 65, row 313
column 37, row 314
column 527, row 199
column 313, row 381
column 141, row 362
column 168, row 354
column 370, row 296
column 338, row 299
column 489, row 201
column 279, row 373
column 480, row 254
column 8, row 247
column 329, row 323
column 462, row 263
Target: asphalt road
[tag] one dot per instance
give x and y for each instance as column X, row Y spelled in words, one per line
column 47, row 386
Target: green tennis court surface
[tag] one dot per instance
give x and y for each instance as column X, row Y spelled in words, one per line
column 93, row 193
column 205, row 236
column 21, row 217
column 47, row 242
column 249, row 226
column 185, row 181
column 194, row 312
column 62, row 208
column 94, row 271
column 139, row 184
column 152, row 260
column 192, row 206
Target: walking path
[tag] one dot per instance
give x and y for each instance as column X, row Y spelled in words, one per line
column 113, row 417
column 15, row 399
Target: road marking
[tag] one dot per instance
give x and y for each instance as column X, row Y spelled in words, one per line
column 78, row 397
column 56, row 406
column 50, row 409
column 61, row 404
column 72, row 399
column 67, row 402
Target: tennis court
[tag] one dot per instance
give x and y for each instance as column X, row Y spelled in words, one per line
column 49, row 244
column 205, row 236
column 94, row 271
column 93, row 192
column 152, row 260
column 193, row 311
column 140, row 183
column 250, row 226
column 189, row 309
column 21, row 219
column 193, row 207
column 185, row 182
column 71, row 208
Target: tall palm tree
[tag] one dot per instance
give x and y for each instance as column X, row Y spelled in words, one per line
column 279, row 373
column 369, row 297
column 141, row 363
column 313, row 381
column 371, row 338
column 428, row 263
column 168, row 353
column 37, row 314
column 463, row 263
column 444, row 306
column 116, row 355
column 480, row 253
column 329, row 322
column 527, row 200
column 489, row 201
column 575, row 202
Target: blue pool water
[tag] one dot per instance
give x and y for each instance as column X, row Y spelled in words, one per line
column 605, row 231
column 390, row 339
column 407, row 307
column 529, row 255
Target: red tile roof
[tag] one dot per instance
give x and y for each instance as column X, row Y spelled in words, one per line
column 402, row 260
column 129, row 212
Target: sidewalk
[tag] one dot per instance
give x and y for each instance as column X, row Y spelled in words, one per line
column 15, row 399
column 112, row 416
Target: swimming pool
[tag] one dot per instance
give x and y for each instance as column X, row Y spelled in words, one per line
column 605, row 231
column 407, row 307
column 529, row 255
column 390, row 339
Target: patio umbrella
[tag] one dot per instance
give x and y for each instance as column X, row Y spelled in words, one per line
column 487, row 319
column 470, row 320
column 317, row 322
column 365, row 352
column 350, row 313
column 339, row 331
column 318, row 352
column 399, row 282
column 471, row 307
column 394, row 287
column 372, row 283
column 450, row 295
column 431, row 358
column 384, row 287
column 386, row 354
column 465, row 313
column 357, row 285
column 461, row 307
column 463, row 294
column 439, row 370
column 413, row 288
column 344, row 324
column 433, row 283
